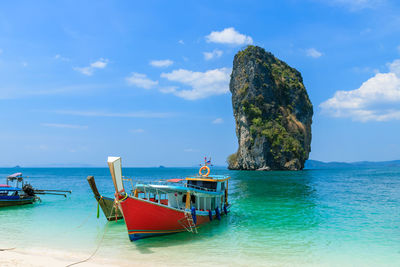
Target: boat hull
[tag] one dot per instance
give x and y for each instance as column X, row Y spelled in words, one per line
column 106, row 203
column 16, row 202
column 144, row 218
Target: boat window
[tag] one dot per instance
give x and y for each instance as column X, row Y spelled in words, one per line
column 202, row 184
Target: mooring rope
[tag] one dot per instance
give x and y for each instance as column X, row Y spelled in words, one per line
column 84, row 222
column 94, row 253
column 98, row 245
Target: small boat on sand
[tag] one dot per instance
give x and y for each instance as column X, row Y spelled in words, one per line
column 171, row 206
column 22, row 193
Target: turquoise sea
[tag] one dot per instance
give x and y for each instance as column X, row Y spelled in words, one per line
column 329, row 217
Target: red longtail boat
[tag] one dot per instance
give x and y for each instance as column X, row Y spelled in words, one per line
column 171, row 206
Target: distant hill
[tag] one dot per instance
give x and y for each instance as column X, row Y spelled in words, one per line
column 315, row 164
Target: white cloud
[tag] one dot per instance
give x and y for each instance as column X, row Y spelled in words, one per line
column 95, row 113
column 69, row 126
column 378, row 98
column 168, row 90
column 85, row 70
column 395, row 67
column 312, row 52
column 203, row 84
column 218, row 121
column 99, row 64
column 161, row 63
column 365, row 70
column 24, row 64
column 141, row 80
column 137, row 131
column 181, row 42
column 59, row 57
column 229, row 36
column 214, row 54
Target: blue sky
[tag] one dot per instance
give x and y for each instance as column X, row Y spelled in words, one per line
column 148, row 80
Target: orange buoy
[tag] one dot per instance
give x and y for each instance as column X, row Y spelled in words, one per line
column 204, row 168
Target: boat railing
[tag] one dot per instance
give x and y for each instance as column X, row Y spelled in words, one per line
column 128, row 180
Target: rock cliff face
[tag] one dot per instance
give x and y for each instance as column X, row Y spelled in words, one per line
column 272, row 111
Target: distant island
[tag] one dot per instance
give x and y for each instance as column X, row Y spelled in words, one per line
column 315, row 164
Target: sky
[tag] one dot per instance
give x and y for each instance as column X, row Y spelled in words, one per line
column 149, row 80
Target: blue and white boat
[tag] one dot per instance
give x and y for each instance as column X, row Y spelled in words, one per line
column 15, row 195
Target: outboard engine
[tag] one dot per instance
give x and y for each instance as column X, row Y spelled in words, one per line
column 28, row 189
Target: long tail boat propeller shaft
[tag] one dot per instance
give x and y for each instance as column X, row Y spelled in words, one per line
column 29, row 190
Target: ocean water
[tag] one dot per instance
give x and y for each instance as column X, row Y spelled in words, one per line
column 330, row 217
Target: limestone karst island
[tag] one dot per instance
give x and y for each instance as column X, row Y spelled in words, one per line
column 273, row 113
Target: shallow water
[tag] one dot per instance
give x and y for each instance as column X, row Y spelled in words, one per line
column 343, row 217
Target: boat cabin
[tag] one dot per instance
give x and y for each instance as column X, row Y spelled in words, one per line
column 200, row 192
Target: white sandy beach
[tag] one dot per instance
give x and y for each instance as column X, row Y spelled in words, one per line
column 36, row 257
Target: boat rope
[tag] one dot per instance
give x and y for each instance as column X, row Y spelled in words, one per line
column 97, row 248
column 94, row 252
column 98, row 206
column 115, row 208
column 87, row 218
column 81, row 224
column 84, row 222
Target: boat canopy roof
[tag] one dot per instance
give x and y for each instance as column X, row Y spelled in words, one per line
column 15, row 175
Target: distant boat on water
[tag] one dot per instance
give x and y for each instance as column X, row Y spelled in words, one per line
column 14, row 195
column 171, row 206
column 22, row 193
